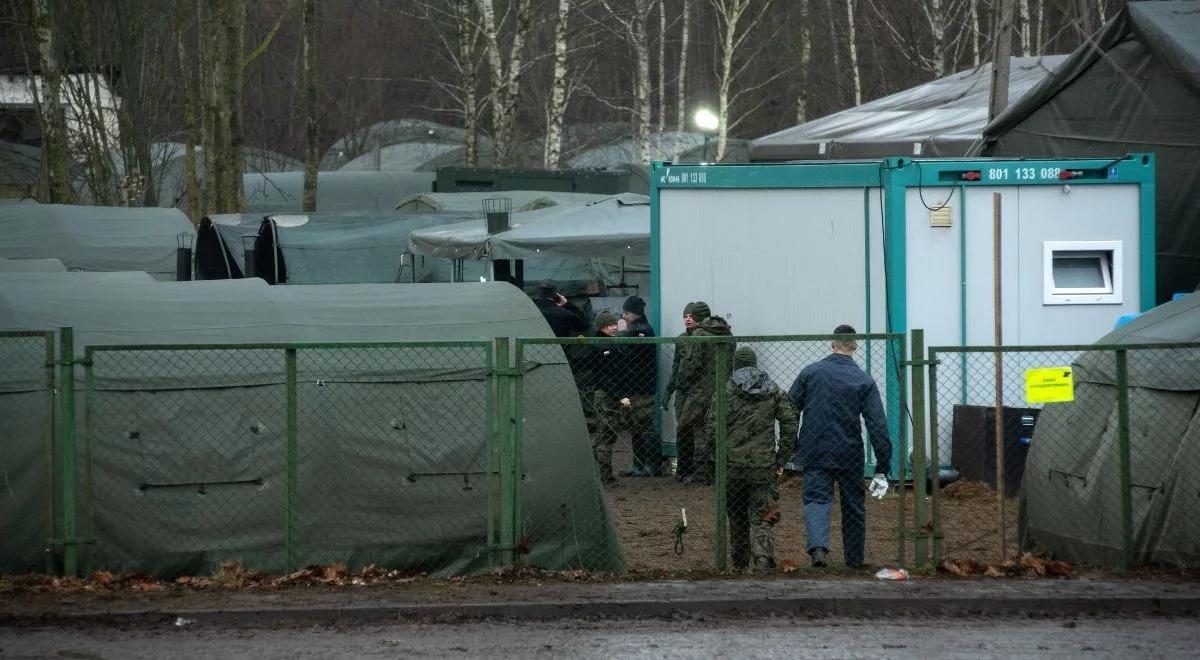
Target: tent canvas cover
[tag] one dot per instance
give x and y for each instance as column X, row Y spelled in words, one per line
column 944, row 117
column 1070, row 503
column 189, row 449
column 94, row 238
column 283, row 192
column 1135, row 86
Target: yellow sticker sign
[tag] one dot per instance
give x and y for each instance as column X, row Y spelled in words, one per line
column 1049, row 385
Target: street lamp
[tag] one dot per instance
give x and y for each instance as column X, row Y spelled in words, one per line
column 708, row 123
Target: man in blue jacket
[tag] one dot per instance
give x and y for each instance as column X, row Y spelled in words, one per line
column 834, row 394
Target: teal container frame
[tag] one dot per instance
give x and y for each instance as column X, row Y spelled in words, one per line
column 893, row 177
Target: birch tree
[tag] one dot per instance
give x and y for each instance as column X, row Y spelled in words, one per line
column 557, row 106
column 506, row 73
column 662, row 66
column 681, row 84
column 939, row 23
column 738, row 22
column 53, row 119
column 804, row 34
column 186, row 68
column 1026, row 28
column 633, row 28
column 311, row 157
column 851, row 37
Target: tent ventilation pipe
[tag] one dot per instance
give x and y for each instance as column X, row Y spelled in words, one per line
column 183, row 257
column 251, row 269
column 498, row 211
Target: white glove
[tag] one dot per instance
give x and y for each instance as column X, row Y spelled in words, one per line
column 879, row 486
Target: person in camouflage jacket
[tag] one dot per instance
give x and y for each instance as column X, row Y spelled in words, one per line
column 754, row 462
column 689, row 324
column 696, row 382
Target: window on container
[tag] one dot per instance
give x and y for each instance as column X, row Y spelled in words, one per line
column 1082, row 272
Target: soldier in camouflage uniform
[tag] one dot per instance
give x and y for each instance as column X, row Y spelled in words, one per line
column 754, row 404
column 689, row 324
column 610, row 414
column 697, row 382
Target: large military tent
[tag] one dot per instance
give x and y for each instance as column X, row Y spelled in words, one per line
column 221, row 243
column 31, row 266
column 95, row 238
column 283, row 192
column 189, row 450
column 348, row 248
column 944, row 117
column 1134, row 87
column 1071, row 503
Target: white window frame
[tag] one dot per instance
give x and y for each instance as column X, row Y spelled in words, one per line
column 1111, row 294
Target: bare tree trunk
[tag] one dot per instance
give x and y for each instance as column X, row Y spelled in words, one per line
column 851, row 37
column 1026, row 31
column 1041, row 27
column 186, row 66
column 505, row 79
column 468, row 37
column 212, row 66
column 641, row 51
column 558, row 90
column 54, row 129
column 662, row 67
column 311, row 39
column 1101, row 13
column 1001, row 52
column 937, row 28
column 835, row 50
column 736, row 19
column 208, row 112
column 805, row 59
column 976, row 33
column 235, row 159
column 681, row 88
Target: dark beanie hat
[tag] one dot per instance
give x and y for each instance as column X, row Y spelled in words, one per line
column 635, row 305
column 844, row 329
column 547, row 289
column 605, row 318
column 687, row 309
column 700, row 311
column 744, row 357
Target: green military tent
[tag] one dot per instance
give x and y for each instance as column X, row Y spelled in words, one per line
column 1071, row 502
column 1134, row 86
column 283, row 192
column 189, row 452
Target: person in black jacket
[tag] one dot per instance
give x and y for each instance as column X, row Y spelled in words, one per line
column 565, row 317
column 640, row 364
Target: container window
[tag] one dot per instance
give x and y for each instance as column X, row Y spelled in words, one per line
column 1082, row 272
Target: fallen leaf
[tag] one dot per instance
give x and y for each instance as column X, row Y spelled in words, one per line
column 788, row 566
column 1058, row 568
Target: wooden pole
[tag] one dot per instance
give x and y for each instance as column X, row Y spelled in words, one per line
column 998, row 309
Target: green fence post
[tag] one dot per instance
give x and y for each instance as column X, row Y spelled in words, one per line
column 719, row 450
column 920, row 537
column 489, row 449
column 89, row 389
column 1127, row 550
column 902, row 454
column 935, row 453
column 292, row 459
column 49, row 440
column 507, row 456
column 70, row 539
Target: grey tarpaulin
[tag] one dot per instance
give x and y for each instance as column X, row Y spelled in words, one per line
column 520, row 200
column 336, row 191
column 944, row 117
column 1134, row 87
column 376, row 428
column 31, row 266
column 349, row 248
column 94, row 238
column 1070, row 505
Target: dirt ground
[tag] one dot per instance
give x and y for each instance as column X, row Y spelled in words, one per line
column 646, row 512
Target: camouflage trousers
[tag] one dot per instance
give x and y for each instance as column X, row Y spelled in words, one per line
column 691, row 438
column 752, row 506
column 612, row 418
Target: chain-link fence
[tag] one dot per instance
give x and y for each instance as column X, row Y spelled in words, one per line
column 693, row 439
column 27, row 467
column 284, row 456
column 1084, row 453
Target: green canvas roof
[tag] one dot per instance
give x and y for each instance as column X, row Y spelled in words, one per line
column 94, row 238
column 391, row 445
column 1070, row 505
column 1135, row 86
column 336, row 191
